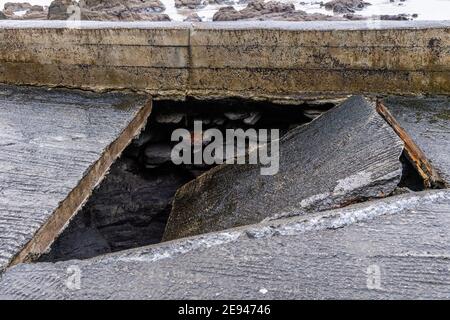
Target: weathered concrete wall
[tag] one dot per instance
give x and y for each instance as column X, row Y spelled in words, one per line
column 154, row 58
column 291, row 59
column 249, row 59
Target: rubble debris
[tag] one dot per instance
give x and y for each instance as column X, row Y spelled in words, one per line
column 236, row 115
column 56, row 147
column 151, row 134
column 313, row 112
column 128, row 210
column 348, row 154
column 174, row 118
column 131, row 206
column 423, row 123
column 157, row 154
column 253, row 118
column 331, row 255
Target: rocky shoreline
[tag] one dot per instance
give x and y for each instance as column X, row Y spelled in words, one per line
column 228, row 10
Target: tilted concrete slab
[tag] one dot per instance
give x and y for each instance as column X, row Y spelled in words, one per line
column 272, row 60
column 56, row 146
column 424, row 125
column 395, row 248
column 347, row 155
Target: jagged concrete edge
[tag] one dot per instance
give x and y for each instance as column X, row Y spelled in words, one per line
column 93, row 176
column 371, row 102
column 294, row 225
column 414, row 153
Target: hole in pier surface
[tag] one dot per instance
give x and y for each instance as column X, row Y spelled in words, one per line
column 131, row 206
column 411, row 179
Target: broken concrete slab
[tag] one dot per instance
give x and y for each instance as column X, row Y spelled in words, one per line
column 56, row 146
column 347, row 155
column 127, row 210
column 423, row 123
column 394, row 248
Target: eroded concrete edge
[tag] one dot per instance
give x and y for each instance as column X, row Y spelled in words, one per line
column 284, row 226
column 417, row 157
column 293, row 225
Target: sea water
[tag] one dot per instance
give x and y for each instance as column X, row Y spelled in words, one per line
column 426, row 9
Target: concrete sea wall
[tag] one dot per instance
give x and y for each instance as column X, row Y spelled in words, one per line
column 282, row 60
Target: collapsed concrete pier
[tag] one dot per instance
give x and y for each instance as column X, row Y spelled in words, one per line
column 64, row 141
